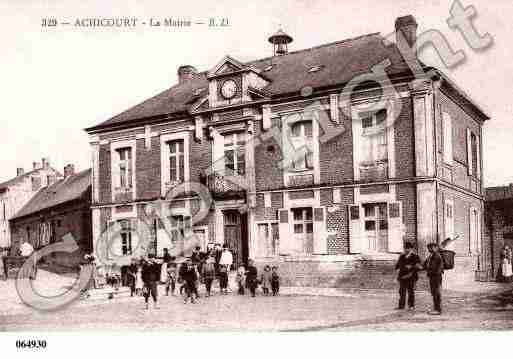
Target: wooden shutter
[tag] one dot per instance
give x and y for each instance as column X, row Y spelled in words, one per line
column 472, row 231
column 395, row 227
column 449, row 218
column 198, row 128
column 447, row 138
column 320, row 242
column 266, row 117
column 469, row 151
column 286, row 239
column 355, row 228
column 478, row 157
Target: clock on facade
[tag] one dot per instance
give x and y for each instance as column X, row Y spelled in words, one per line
column 229, row 89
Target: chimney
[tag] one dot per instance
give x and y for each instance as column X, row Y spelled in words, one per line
column 36, row 165
column 69, row 170
column 186, row 73
column 46, row 162
column 407, row 27
column 20, row 171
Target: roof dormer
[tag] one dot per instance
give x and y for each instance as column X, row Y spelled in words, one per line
column 231, row 82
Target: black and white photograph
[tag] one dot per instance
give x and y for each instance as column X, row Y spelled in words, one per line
column 258, row 167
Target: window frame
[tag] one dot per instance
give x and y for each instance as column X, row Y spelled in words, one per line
column 165, row 155
column 237, row 147
column 299, row 141
column 125, row 167
column 115, row 176
column 177, row 155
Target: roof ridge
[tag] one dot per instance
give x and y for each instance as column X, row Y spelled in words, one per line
column 316, row 47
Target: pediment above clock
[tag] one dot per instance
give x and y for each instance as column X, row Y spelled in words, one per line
column 225, row 66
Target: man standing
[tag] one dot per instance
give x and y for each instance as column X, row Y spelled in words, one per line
column 434, row 268
column 407, row 266
column 150, row 277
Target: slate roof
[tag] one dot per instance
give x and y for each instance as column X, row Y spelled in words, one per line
column 341, row 61
column 499, row 193
column 62, row 191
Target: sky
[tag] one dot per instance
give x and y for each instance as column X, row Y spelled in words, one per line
column 56, row 81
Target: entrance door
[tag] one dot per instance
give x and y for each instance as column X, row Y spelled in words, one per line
column 376, row 226
column 235, row 235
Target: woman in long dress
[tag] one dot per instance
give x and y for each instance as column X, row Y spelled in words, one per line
column 506, row 268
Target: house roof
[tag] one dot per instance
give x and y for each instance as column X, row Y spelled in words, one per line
column 17, row 179
column 62, row 191
column 341, row 61
column 499, row 193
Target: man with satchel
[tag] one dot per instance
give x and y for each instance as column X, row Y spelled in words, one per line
column 434, row 266
column 407, row 266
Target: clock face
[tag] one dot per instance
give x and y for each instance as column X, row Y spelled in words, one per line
column 229, row 89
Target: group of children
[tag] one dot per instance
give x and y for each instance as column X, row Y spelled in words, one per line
column 269, row 280
column 190, row 273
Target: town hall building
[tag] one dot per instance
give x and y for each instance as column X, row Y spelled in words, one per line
column 303, row 170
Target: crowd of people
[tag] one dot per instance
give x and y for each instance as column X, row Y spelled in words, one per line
column 201, row 268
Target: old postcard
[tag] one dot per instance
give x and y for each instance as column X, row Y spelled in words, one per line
column 250, row 166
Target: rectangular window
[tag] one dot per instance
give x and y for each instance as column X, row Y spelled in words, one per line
column 303, row 228
column 302, row 139
column 125, row 167
column 4, row 215
column 126, row 238
column 176, row 160
column 475, row 157
column 235, row 153
column 374, row 147
column 376, row 227
column 447, row 138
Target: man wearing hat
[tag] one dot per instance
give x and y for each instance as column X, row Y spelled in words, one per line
column 150, row 277
column 407, row 266
column 434, row 268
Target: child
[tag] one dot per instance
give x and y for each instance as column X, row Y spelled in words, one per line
column 209, row 274
column 241, row 279
column 189, row 277
column 252, row 275
column 138, row 280
column 275, row 281
column 266, row 280
column 171, row 276
column 223, row 279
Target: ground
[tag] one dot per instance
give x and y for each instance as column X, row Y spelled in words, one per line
column 296, row 309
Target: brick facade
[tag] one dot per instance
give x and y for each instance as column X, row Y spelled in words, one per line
column 319, row 241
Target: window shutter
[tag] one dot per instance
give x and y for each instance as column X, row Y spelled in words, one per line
column 266, row 117
column 198, row 128
column 472, row 231
column 449, row 218
column 395, row 227
column 355, row 228
column 469, row 151
column 334, row 110
column 478, row 155
column 447, row 138
column 218, row 149
column 286, row 238
column 320, row 243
